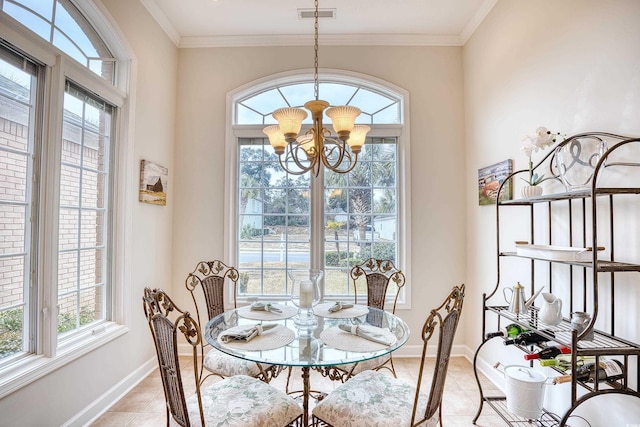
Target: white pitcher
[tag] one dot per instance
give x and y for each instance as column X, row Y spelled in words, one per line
column 551, row 311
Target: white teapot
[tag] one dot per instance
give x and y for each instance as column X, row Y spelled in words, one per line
column 551, row 311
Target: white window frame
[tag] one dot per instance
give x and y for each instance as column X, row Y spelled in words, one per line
column 50, row 356
column 399, row 131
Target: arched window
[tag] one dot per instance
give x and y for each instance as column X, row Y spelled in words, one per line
column 58, row 151
column 332, row 221
column 63, row 25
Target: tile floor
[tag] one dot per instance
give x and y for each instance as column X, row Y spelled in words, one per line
column 144, row 405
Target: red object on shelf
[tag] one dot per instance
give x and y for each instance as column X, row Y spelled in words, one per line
column 548, row 353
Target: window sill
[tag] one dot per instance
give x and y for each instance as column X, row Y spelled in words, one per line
column 34, row 367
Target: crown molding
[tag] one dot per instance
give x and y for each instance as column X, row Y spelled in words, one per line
column 325, row 40
column 476, row 20
column 328, row 39
column 162, row 20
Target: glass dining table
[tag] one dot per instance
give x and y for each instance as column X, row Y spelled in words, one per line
column 334, row 339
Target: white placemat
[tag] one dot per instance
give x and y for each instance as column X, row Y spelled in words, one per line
column 287, row 312
column 269, row 340
column 343, row 340
column 322, row 310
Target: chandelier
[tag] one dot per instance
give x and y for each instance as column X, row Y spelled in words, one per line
column 316, row 146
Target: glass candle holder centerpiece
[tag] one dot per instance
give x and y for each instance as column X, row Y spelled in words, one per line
column 305, row 294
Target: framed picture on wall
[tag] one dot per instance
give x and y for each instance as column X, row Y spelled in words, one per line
column 489, row 180
column 153, row 183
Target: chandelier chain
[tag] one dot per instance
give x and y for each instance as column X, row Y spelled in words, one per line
column 317, row 148
column 315, row 51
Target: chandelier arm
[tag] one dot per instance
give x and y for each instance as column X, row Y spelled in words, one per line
column 296, row 158
column 339, row 145
column 353, row 160
column 302, row 170
column 344, row 153
column 292, row 154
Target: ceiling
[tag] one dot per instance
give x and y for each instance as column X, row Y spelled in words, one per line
column 202, row 23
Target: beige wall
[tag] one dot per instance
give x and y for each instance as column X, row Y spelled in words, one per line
column 71, row 390
column 572, row 66
column 433, row 77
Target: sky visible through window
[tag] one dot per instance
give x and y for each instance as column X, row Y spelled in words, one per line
column 377, row 108
column 77, row 39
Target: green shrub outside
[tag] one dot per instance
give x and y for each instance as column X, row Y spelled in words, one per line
column 385, row 251
column 10, row 332
column 345, row 260
column 67, row 321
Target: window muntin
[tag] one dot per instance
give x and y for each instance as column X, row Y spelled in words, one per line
column 63, row 25
column 19, row 88
column 377, row 108
column 83, row 220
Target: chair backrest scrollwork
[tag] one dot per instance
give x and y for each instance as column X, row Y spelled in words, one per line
column 211, row 277
column 379, row 275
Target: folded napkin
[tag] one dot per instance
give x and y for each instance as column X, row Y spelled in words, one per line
column 371, row 333
column 244, row 333
column 339, row 306
column 260, row 306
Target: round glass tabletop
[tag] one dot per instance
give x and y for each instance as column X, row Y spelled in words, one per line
column 335, row 339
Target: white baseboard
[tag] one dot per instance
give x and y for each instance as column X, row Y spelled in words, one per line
column 99, row 406
column 416, row 351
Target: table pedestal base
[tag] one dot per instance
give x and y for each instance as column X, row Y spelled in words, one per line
column 305, row 393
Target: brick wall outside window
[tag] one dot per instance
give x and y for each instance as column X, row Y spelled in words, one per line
column 87, row 270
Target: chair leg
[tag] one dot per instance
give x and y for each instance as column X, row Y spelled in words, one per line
column 317, row 422
column 393, row 368
column 296, row 423
column 286, row 387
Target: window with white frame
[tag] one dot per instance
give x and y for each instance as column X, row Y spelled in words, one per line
column 83, row 220
column 56, row 183
column 333, row 221
column 19, row 88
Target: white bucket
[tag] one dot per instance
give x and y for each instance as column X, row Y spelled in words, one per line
column 525, row 391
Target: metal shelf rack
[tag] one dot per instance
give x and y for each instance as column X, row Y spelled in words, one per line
column 586, row 205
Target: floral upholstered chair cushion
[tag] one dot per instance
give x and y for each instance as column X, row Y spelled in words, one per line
column 242, row 401
column 372, row 399
column 223, row 364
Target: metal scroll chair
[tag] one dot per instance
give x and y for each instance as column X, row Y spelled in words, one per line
column 386, row 401
column 236, row 401
column 211, row 277
column 379, row 275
